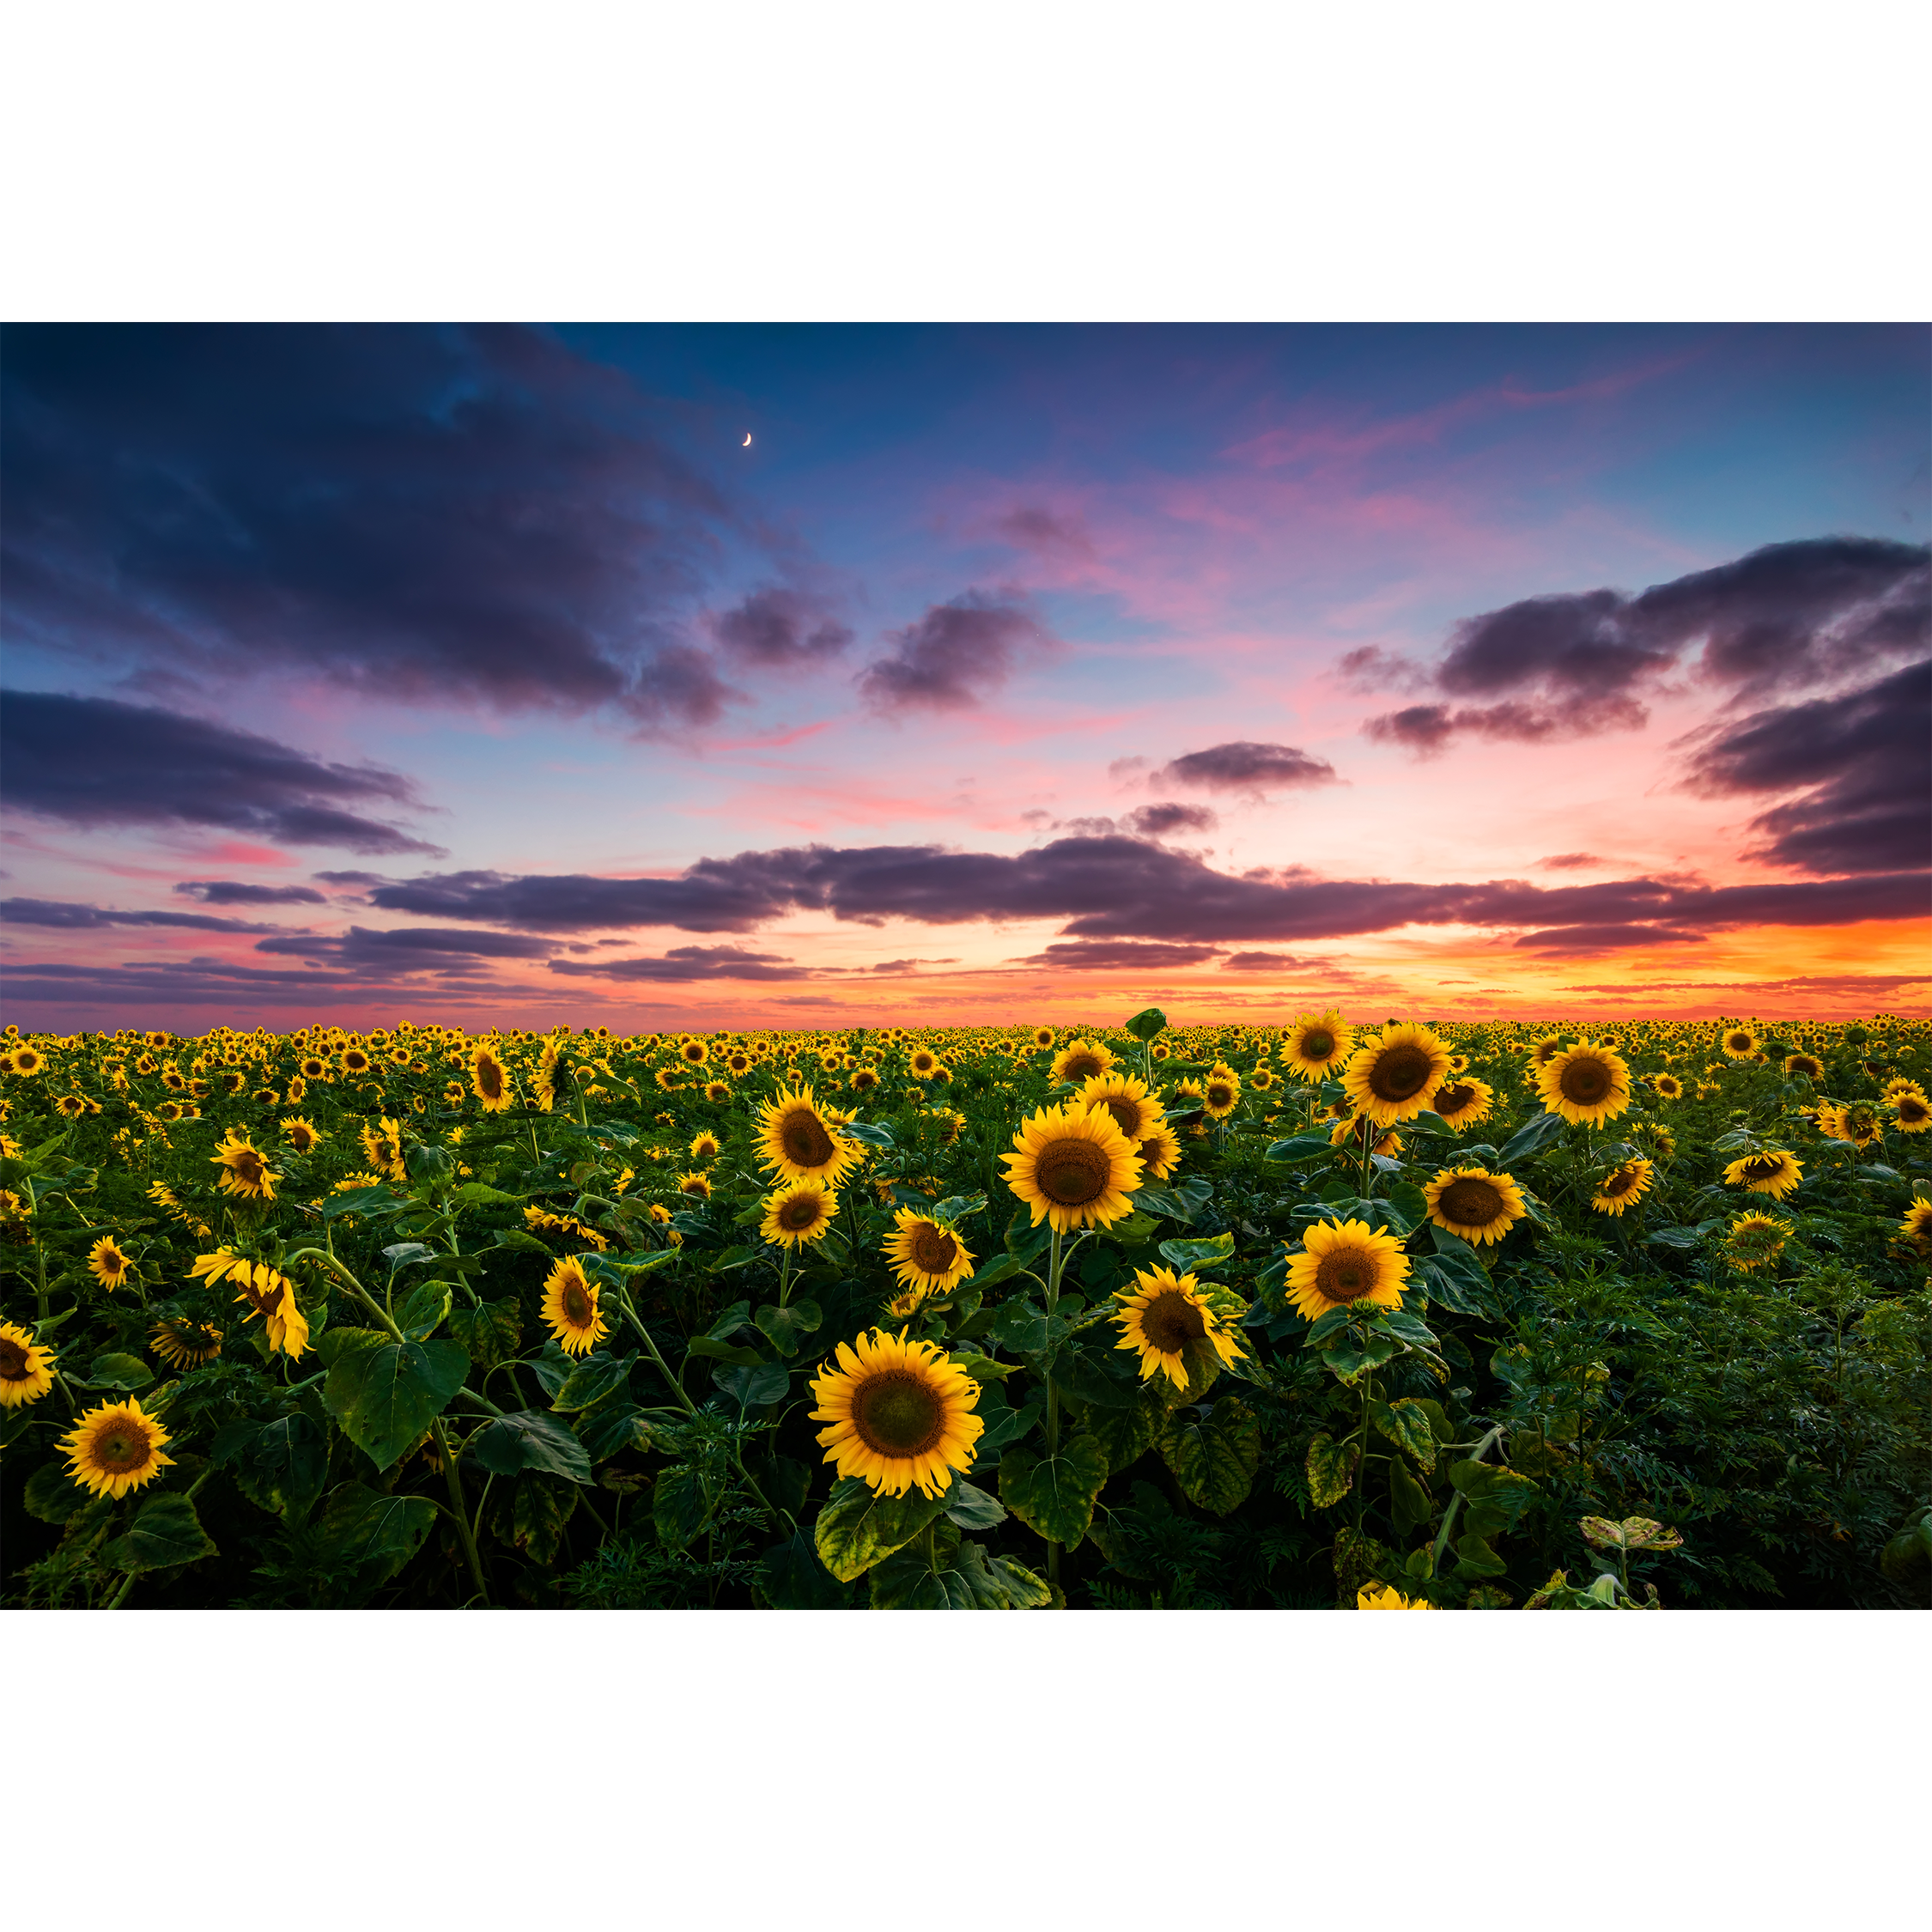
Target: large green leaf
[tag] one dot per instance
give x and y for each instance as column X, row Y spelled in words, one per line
column 286, row 1465
column 1126, row 1435
column 953, row 1575
column 593, row 1378
column 754, row 1386
column 532, row 1516
column 52, row 1495
column 1102, row 1375
column 858, row 1526
column 385, row 1397
column 1532, row 1139
column 1331, row 1470
column 1214, row 1459
column 420, row 1313
column 164, row 1531
column 786, row 1328
column 1409, row 1501
column 615, row 1427
column 506, row 1445
column 1406, row 1424
column 1184, row 1256
column 972, row 1509
column 792, row 1578
column 490, row 1332
column 1053, row 1494
column 681, row 1504
column 119, row 1371
column 362, row 1525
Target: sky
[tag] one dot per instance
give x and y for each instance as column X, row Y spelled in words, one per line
column 800, row 676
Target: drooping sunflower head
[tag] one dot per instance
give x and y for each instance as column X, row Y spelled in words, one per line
column 1073, row 1168
column 271, row 1295
column 800, row 1211
column 302, row 1135
column 115, row 1448
column 1588, row 1083
column 1317, row 1043
column 25, row 1367
column 1668, row 1086
column 1474, row 1203
column 1220, row 1092
column 108, row 1262
column 245, row 1169
column 1629, row 1180
column 898, row 1413
column 1394, row 1077
column 570, row 1308
column 1344, row 1263
column 1911, row 1113
column 704, row 1148
column 1174, row 1328
column 1463, row 1102
column 1160, row 1153
column 383, row 1144
column 1754, row 1242
column 927, row 1254
column 183, row 1343
column 1917, row 1227
column 796, row 1138
column 1774, row 1171
column 1081, row 1061
column 1135, row 1111
column 1738, row 1043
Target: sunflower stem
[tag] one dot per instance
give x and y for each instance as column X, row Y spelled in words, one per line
column 1456, row 1504
column 121, row 1595
column 1056, row 1261
column 785, row 1279
column 644, row 1336
column 361, row 1294
column 457, row 1510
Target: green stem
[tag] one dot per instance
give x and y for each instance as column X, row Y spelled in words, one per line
column 644, row 1336
column 123, row 1593
column 459, row 1512
column 356, row 1287
column 1456, row 1504
column 1056, row 1261
column 784, row 1277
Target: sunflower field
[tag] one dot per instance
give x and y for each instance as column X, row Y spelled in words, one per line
column 1395, row 1315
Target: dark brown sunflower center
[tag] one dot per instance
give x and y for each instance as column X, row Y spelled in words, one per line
column 1317, row 1045
column 1470, row 1203
column 1762, row 1167
column 1584, row 1082
column 1450, row 1101
column 1082, row 1066
column 933, row 1250
column 576, row 1304
column 356, row 1063
column 1400, row 1073
column 123, row 1445
column 1620, row 1183
column 1126, row 1115
column 246, row 1165
column 864, row 1080
column 923, row 1063
column 1170, row 1321
column 1911, row 1109
column 1347, row 1274
column 13, row 1360
column 1220, row 1094
column 800, row 1212
column 806, row 1142
column 1072, row 1173
column 112, row 1260
column 897, row 1415
column 694, row 1056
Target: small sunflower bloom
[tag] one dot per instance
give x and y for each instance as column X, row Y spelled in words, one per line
column 1165, row 1319
column 25, row 1367
column 116, row 1448
column 570, row 1308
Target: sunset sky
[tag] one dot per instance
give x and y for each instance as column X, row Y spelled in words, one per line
column 1006, row 673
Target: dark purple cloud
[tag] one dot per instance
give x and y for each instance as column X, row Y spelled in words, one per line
column 1580, row 941
column 1156, row 821
column 1569, row 861
column 1260, row 962
column 405, row 948
column 1032, row 528
column 1426, row 729
column 92, row 761
column 232, row 892
column 684, row 963
column 446, row 515
column 956, row 654
column 1151, row 954
column 1245, row 766
column 63, row 916
column 777, row 629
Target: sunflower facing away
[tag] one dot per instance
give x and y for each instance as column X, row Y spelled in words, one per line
column 1804, row 1066
column 108, row 1262
column 1317, row 1043
column 1462, row 1103
column 185, row 1343
column 1135, row 1111
column 1475, row 1204
column 1628, row 1181
column 928, row 1254
column 800, row 1211
column 1165, row 1318
column 1590, row 1082
column 1073, row 1168
column 796, row 1140
column 116, row 1448
column 272, row 1295
column 1774, row 1172
column 1346, row 1262
column 570, row 1308
column 1082, row 1061
column 245, row 1169
column 1160, row 1154
column 383, row 1145
column 899, row 1414
column 1394, row 1078
column 25, row 1367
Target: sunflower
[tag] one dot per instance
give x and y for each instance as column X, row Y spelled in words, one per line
column 695, row 1182
column 1160, row 1154
column 314, row 1069
column 928, row 1254
column 738, row 1063
column 70, row 1106
column 796, row 1140
column 1898, row 1084
column 272, row 1295
column 1353, row 1134
column 303, row 1136
column 1166, row 1318
column 865, row 1079
column 25, row 1059
column 1073, row 1167
column 1135, row 1111
column 1475, row 1204
column 704, row 1147
column 382, row 1145
column 1042, row 1038
column 900, row 1413
column 116, row 1448
column 1386, row 1596
column 1774, row 1172
column 1859, row 1123
column 1221, row 1092
column 25, row 1367
column 1738, row 1043
column 1916, row 1227
column 1804, row 1066
column 1463, row 1102
column 569, row 1306
column 355, row 1060
column 1346, row 1262
column 245, row 1169
column 694, row 1053
column 1590, row 1082
column 717, row 1091
column 798, row 1211
column 108, row 1262
column 1668, row 1086
column 185, row 1343
column 1755, row 1241
column 922, row 1063
column 1082, row 1061
column 1394, row 1077
column 1627, row 1181
column 1913, row 1112
column 1318, row 1043
column 1545, row 1049
column 488, row 1081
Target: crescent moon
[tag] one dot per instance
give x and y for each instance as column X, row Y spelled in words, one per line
column 746, row 444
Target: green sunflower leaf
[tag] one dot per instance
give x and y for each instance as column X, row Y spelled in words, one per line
column 792, row 1578
column 593, row 1378
column 1331, row 1470
column 164, row 1531
column 506, row 1445
column 1054, row 1494
column 859, row 1527
column 1532, row 1139
column 1184, row 1256
column 1407, row 1424
column 490, row 1332
column 786, row 1328
column 362, row 1525
column 972, row 1509
column 952, row 1574
column 385, row 1397
column 1213, row 1459
column 1126, row 1435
